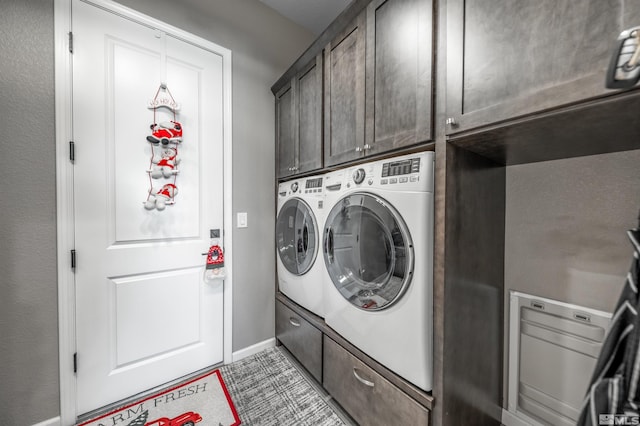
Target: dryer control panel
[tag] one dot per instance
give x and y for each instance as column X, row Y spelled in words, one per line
column 403, row 167
column 401, row 171
column 412, row 172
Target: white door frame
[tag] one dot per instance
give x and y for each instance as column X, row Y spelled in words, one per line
column 64, row 188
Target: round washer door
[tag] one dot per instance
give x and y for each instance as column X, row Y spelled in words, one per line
column 368, row 251
column 297, row 236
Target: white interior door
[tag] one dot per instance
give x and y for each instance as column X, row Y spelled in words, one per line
column 144, row 314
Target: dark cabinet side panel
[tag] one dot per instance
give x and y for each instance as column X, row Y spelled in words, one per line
column 472, row 357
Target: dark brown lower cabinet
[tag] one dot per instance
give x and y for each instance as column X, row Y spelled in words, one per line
column 368, row 397
column 302, row 339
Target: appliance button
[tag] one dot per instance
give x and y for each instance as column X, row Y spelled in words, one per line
column 415, row 178
column 384, row 181
column 404, row 179
column 294, row 187
column 370, row 182
column 393, row 180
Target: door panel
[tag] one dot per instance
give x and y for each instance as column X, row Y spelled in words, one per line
column 344, row 76
column 309, row 85
column 140, row 336
column 285, row 133
column 144, row 315
column 131, row 151
column 399, row 67
column 497, row 71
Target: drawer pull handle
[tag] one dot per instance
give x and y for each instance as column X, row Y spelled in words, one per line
column 294, row 322
column 361, row 380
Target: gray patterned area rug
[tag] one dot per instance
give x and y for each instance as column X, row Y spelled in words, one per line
column 268, row 389
column 201, row 399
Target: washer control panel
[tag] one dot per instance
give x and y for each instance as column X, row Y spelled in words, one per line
column 313, row 186
column 310, row 186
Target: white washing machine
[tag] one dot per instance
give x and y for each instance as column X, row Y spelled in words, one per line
column 298, row 241
column 378, row 253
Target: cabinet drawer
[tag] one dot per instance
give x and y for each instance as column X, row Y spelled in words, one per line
column 368, row 397
column 302, row 339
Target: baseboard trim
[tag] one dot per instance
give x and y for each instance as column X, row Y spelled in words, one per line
column 254, row 349
column 51, row 422
column 511, row 419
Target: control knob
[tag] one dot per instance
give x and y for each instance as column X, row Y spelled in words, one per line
column 358, row 176
column 294, row 187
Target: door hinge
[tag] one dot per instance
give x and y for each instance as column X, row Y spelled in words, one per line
column 72, row 151
column 75, row 362
column 73, row 259
column 70, row 42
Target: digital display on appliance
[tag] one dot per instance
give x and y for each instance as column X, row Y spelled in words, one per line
column 403, row 167
column 313, row 183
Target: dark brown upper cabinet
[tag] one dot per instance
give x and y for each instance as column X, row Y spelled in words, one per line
column 285, row 132
column 309, row 90
column 344, row 94
column 523, row 57
column 378, row 81
column 299, row 121
column 398, row 74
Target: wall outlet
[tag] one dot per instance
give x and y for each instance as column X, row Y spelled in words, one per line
column 242, row 220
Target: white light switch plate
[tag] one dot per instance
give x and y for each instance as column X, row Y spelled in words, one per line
column 242, row 220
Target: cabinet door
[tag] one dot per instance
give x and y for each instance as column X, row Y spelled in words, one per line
column 399, row 74
column 367, row 396
column 527, row 56
column 309, row 95
column 302, row 339
column 285, row 131
column 344, row 64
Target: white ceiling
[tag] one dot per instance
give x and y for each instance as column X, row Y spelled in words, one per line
column 315, row 15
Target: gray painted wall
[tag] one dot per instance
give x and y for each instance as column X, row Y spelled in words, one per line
column 565, row 230
column 29, row 314
column 565, row 227
column 264, row 45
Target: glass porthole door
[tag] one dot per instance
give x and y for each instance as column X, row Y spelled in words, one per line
column 297, row 237
column 368, row 251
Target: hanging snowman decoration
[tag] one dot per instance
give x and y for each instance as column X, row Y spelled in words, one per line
column 163, row 141
column 166, row 165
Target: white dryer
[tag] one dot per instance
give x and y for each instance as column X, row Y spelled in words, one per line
column 298, row 240
column 378, row 252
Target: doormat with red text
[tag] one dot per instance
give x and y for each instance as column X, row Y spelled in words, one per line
column 204, row 400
